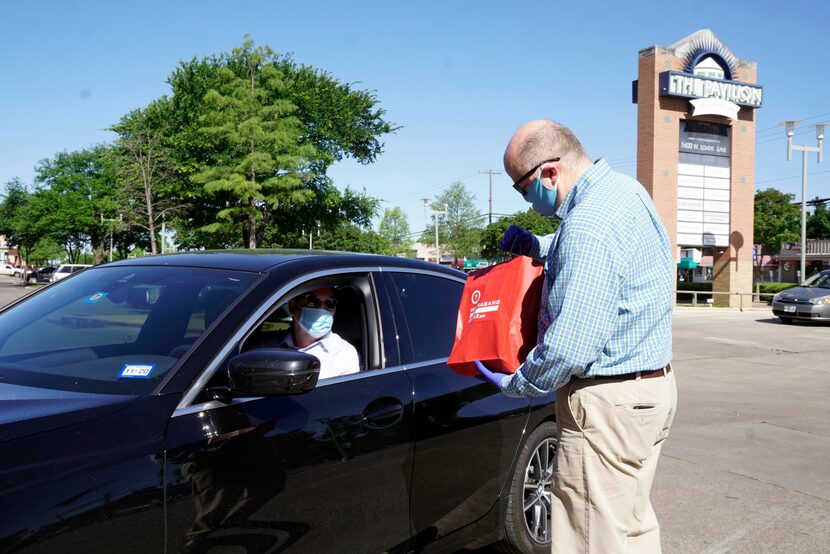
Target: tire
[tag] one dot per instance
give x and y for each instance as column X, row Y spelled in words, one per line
column 786, row 320
column 32, row 280
column 528, row 530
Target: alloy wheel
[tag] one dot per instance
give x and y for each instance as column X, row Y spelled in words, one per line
column 537, row 491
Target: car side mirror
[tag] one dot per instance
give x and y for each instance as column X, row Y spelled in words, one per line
column 272, row 372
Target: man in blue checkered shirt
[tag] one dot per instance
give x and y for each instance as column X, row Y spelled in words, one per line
column 604, row 341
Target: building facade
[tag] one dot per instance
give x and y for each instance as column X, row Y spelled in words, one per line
column 817, row 257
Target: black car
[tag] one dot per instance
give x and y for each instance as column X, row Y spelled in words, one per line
column 139, row 414
column 40, row 274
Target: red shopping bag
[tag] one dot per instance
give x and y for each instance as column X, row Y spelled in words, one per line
column 497, row 317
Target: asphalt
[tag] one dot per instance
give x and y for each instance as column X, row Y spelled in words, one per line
column 747, row 466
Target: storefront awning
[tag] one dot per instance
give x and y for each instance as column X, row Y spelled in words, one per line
column 686, row 263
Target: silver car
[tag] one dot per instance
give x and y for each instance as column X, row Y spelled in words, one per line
column 810, row 300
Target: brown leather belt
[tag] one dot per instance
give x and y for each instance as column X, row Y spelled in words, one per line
column 650, row 374
column 641, row 374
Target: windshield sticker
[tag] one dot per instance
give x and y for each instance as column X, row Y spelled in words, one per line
column 96, row 297
column 136, row 371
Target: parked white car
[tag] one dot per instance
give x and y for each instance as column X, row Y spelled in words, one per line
column 6, row 269
column 65, row 270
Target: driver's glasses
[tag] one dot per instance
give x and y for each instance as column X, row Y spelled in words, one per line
column 518, row 182
column 314, row 301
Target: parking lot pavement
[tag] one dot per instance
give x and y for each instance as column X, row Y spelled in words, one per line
column 11, row 288
column 747, row 465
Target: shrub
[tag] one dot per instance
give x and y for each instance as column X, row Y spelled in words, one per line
column 707, row 287
column 772, row 288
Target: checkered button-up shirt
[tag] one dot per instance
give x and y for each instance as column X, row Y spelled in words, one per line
column 608, row 292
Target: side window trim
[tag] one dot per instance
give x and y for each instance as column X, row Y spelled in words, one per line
column 267, row 305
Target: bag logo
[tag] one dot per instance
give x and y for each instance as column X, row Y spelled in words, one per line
column 476, row 296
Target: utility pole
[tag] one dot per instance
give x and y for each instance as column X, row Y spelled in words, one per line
column 435, row 214
column 790, row 125
column 490, row 172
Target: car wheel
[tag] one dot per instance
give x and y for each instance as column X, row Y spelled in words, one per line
column 786, row 320
column 32, row 280
column 527, row 522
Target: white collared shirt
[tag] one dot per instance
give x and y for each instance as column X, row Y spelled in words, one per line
column 337, row 357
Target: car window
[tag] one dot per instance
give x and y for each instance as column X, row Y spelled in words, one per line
column 115, row 330
column 819, row 280
column 352, row 322
column 426, row 310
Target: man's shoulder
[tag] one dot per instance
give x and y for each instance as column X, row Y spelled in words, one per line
column 336, row 343
column 607, row 207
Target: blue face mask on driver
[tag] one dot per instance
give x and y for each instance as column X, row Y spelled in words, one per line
column 542, row 198
column 316, row 322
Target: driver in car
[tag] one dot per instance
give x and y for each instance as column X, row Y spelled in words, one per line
column 312, row 315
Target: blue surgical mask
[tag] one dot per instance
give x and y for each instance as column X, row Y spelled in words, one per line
column 316, row 321
column 542, row 198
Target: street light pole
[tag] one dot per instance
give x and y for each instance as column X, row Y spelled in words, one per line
column 435, row 214
column 805, row 150
column 112, row 231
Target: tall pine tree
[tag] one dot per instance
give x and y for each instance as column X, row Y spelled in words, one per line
column 261, row 155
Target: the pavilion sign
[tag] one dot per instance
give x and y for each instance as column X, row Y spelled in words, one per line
column 686, row 85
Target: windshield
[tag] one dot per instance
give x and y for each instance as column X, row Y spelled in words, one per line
column 115, row 330
column 819, row 280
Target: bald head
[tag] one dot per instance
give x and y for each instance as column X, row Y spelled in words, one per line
column 539, row 140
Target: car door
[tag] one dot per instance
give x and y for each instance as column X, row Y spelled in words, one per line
column 466, row 431
column 323, row 471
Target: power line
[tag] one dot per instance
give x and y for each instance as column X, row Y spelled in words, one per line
column 790, row 177
column 779, row 128
column 422, row 190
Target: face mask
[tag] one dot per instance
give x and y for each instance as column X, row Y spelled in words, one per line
column 316, row 321
column 542, row 198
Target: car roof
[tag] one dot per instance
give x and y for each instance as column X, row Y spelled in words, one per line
column 262, row 260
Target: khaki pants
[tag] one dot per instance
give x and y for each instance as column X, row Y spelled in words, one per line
column 611, row 432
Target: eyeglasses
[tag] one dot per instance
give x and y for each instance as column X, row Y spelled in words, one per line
column 314, row 301
column 523, row 191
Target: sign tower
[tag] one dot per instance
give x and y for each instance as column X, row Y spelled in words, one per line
column 696, row 106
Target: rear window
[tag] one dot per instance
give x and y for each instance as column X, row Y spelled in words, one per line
column 116, row 330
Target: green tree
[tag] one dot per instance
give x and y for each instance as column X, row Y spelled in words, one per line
column 394, row 228
column 327, row 211
column 77, row 189
column 777, row 220
column 19, row 221
column 459, row 231
column 47, row 250
column 530, row 220
column 818, row 224
column 336, row 119
column 143, row 163
column 347, row 237
column 261, row 149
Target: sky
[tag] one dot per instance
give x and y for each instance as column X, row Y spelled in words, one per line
column 458, row 77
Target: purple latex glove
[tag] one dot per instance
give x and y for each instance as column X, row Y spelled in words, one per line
column 492, row 376
column 516, row 241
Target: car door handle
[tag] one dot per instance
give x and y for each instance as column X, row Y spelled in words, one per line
column 383, row 413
